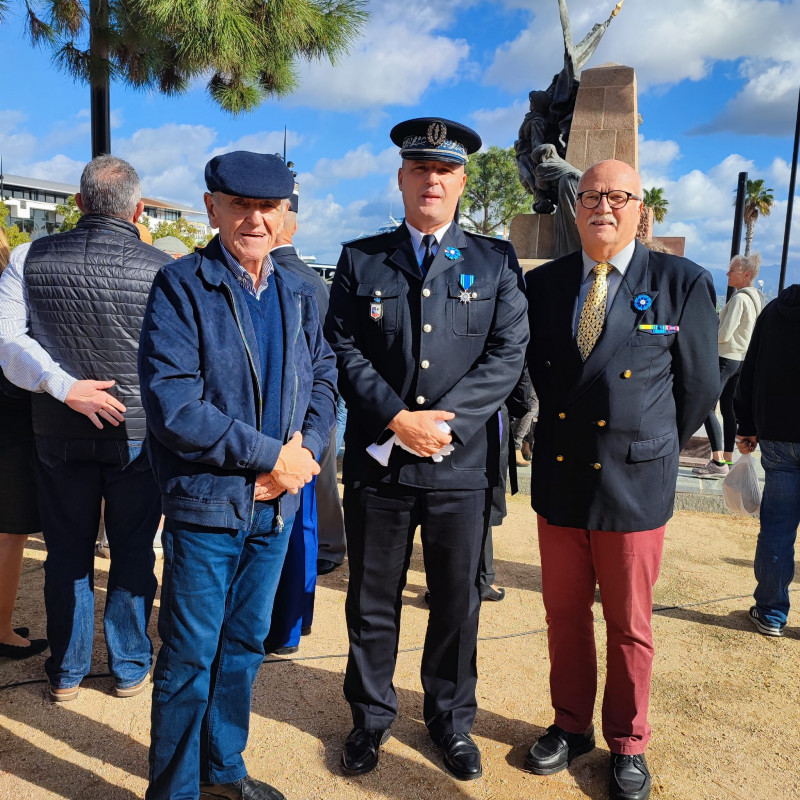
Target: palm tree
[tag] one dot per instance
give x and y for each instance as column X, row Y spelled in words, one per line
column 757, row 203
column 249, row 49
column 654, row 198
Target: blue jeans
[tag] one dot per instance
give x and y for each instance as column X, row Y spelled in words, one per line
column 780, row 517
column 341, row 423
column 75, row 477
column 216, row 603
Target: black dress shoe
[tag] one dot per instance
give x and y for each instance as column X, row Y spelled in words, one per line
column 282, row 651
column 490, row 593
column 555, row 750
column 461, row 756
column 246, row 788
column 629, row 778
column 361, row 748
column 18, row 652
column 324, row 567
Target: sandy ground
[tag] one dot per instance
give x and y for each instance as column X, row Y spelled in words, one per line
column 725, row 707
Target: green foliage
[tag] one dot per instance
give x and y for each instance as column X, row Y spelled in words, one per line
column 249, row 48
column 493, row 195
column 758, row 202
column 183, row 230
column 14, row 235
column 70, row 212
column 654, row 198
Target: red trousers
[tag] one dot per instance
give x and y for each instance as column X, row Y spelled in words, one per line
column 625, row 566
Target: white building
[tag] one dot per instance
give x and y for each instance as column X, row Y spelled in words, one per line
column 32, row 202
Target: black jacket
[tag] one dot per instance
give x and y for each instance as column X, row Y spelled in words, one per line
column 766, row 399
column 87, row 290
column 610, row 430
column 404, row 342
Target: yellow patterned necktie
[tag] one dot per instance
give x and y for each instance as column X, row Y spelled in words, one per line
column 593, row 313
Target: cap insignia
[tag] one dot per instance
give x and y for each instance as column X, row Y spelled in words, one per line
column 437, row 134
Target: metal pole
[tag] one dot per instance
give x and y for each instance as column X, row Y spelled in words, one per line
column 100, row 109
column 738, row 219
column 790, row 204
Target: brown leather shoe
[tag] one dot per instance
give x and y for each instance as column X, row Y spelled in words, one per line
column 132, row 691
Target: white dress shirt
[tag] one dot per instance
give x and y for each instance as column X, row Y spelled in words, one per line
column 24, row 361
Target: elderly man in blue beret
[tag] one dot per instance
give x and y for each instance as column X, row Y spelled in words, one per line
column 238, row 385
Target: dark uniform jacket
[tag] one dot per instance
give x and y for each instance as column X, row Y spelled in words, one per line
column 610, row 430
column 404, row 342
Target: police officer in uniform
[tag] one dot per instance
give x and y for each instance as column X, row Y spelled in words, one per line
column 429, row 328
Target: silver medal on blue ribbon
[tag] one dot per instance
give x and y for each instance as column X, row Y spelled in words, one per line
column 465, row 282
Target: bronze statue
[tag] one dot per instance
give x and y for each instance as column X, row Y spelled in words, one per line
column 550, row 116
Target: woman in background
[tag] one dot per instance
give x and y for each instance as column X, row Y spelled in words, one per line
column 19, row 515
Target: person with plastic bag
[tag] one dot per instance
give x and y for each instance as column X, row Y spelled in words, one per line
column 767, row 413
column 740, row 489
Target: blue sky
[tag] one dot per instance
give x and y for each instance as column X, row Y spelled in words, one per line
column 718, row 84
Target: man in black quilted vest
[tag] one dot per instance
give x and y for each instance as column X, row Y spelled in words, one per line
column 71, row 311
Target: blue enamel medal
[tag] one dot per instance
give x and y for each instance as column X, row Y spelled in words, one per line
column 465, row 282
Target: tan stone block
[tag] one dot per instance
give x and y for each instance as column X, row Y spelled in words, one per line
column 576, row 149
column 589, row 106
column 607, row 76
column 673, row 244
column 532, row 235
column 627, row 148
column 619, row 107
column 600, row 145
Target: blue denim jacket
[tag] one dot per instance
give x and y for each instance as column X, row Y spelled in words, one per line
column 201, row 392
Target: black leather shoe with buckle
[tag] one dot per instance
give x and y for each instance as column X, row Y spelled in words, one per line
column 461, row 756
column 629, row 778
column 555, row 750
column 246, row 788
column 361, row 748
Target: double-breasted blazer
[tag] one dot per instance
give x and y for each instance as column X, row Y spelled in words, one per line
column 407, row 342
column 610, row 430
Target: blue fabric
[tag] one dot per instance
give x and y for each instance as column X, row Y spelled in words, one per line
column 216, row 602
column 199, row 394
column 265, row 314
column 75, row 476
column 780, row 518
column 341, row 423
column 293, row 609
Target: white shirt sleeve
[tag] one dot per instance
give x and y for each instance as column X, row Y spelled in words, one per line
column 24, row 361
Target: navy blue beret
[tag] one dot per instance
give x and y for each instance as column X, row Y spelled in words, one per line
column 246, row 174
column 435, row 139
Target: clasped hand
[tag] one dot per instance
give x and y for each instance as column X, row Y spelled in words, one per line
column 417, row 430
column 294, row 468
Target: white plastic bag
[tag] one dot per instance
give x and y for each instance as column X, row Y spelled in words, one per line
column 740, row 488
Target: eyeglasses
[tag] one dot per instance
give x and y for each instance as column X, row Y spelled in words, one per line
column 616, row 198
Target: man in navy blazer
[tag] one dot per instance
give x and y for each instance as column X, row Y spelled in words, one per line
column 429, row 330
column 615, row 410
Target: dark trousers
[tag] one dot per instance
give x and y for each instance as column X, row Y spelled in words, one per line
column 380, row 522
column 728, row 380
column 75, row 476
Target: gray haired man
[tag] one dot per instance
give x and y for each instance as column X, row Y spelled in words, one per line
column 71, row 308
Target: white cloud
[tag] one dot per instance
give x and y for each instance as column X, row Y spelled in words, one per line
column 499, row 126
column 59, row 168
column 657, row 154
column 667, row 43
column 398, row 57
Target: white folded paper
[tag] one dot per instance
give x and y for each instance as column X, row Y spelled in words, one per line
column 381, row 452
